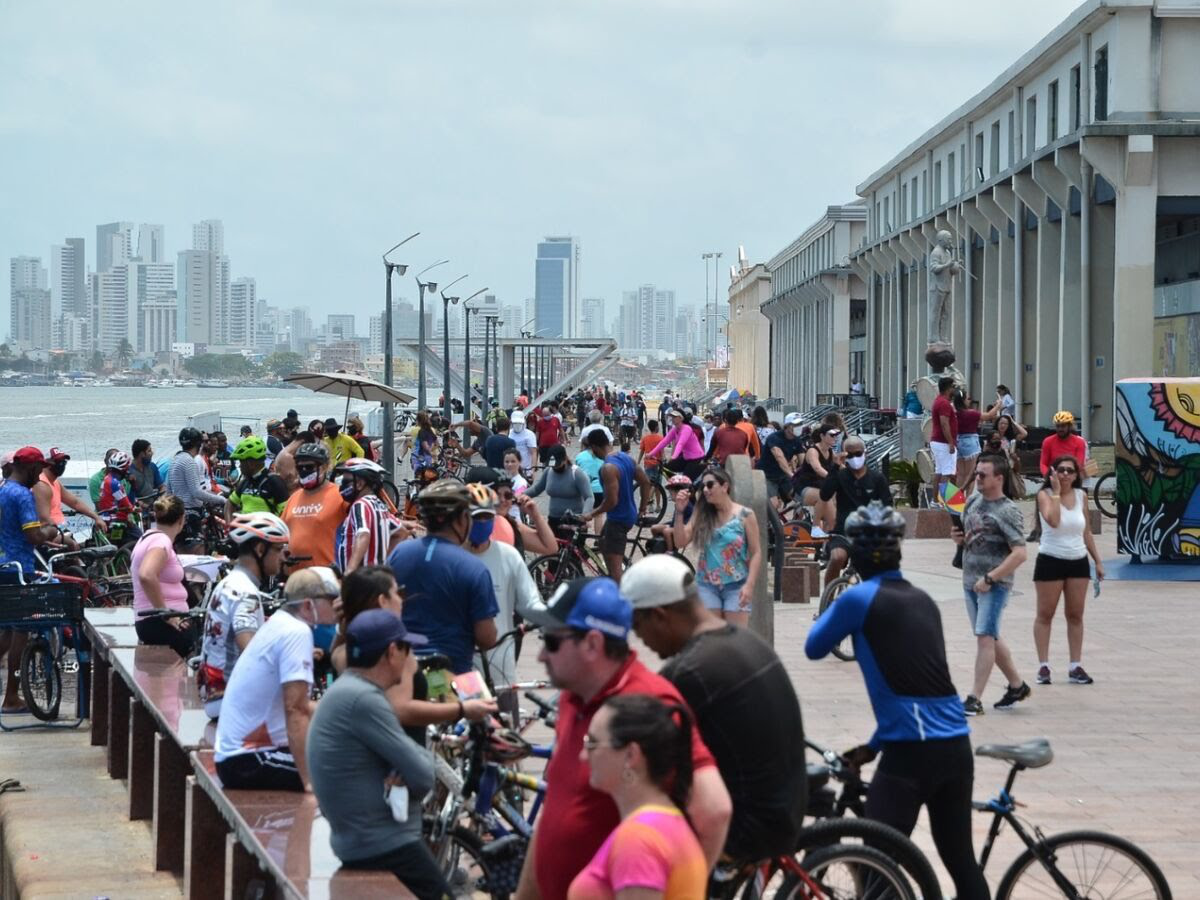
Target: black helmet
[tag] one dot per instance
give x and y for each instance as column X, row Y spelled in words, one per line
column 875, row 532
column 493, row 478
column 313, row 451
column 189, row 437
column 445, row 497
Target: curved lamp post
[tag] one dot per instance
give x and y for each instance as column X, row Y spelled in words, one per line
column 422, row 287
column 446, row 301
column 467, row 310
column 389, row 424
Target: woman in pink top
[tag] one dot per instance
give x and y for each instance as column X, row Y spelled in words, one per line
column 688, row 455
column 639, row 751
column 158, row 580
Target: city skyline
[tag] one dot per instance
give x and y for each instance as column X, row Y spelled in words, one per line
column 293, row 161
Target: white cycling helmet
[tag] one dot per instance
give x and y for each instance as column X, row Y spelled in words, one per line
column 364, row 468
column 119, row 461
column 261, row 526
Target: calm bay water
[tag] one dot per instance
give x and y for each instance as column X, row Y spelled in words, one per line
column 85, row 421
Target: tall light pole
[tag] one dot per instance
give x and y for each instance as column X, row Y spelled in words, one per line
column 446, row 301
column 467, row 310
column 389, row 423
column 496, row 326
column 710, row 336
column 488, row 318
column 423, row 286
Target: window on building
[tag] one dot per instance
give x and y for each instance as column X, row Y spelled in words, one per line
column 1052, row 113
column 887, row 216
column 1031, row 125
column 994, row 163
column 1074, row 111
column 915, row 196
column 1013, row 147
column 1101, row 88
column 937, row 183
column 951, row 183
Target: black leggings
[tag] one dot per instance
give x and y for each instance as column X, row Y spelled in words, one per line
column 161, row 633
column 414, row 865
column 938, row 775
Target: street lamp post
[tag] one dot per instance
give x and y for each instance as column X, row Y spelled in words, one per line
column 496, row 326
column 467, row 310
column 710, row 337
column 389, row 422
column 423, row 286
column 446, row 301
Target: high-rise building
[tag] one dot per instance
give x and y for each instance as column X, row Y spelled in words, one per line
column 114, row 314
column 26, row 272
column 556, row 287
column 339, row 327
column 209, row 235
column 241, row 322
column 68, row 278
column 510, row 314
column 158, row 329
column 71, row 333
column 648, row 319
column 591, row 317
column 114, row 245
column 151, row 246
column 202, row 285
column 146, row 281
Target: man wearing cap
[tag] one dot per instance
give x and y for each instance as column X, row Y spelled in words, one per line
column 525, row 440
column 276, row 438
column 266, row 708
column 21, row 530
column 341, row 447
column 51, row 496
column 587, row 656
column 745, row 706
column 778, row 462
column 369, row 776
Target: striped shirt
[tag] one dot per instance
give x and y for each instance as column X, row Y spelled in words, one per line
column 370, row 516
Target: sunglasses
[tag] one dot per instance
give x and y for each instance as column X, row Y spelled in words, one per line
column 505, row 495
column 855, row 454
column 554, row 640
column 832, row 433
column 709, row 485
column 1067, row 470
column 307, row 470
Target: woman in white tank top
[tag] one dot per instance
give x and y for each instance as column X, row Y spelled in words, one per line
column 1062, row 569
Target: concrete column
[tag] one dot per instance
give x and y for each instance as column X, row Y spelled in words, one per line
column 508, row 365
column 1064, row 392
column 840, row 310
column 970, row 359
column 1043, row 339
column 999, row 211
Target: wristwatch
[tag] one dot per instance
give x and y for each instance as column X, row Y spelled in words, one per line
column 987, row 578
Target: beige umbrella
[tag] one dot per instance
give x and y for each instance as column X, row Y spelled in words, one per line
column 354, row 387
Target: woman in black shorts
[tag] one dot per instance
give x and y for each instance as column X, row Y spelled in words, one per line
column 1062, row 569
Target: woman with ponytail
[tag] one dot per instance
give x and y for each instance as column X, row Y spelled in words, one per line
column 639, row 750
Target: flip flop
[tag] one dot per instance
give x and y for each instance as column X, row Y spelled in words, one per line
column 10, row 785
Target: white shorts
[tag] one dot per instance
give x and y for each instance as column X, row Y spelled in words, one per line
column 945, row 460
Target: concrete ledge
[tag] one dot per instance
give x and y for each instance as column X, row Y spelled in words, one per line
column 926, row 523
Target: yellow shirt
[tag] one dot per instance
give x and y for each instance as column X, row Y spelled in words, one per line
column 341, row 448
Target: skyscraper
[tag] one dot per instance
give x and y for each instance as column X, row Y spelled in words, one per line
column 29, row 302
column 114, row 314
column 68, row 277
column 151, row 246
column 591, row 318
column 114, row 245
column 147, row 282
column 648, row 319
column 209, row 235
column 202, row 285
column 556, row 287
column 242, row 321
column 340, row 327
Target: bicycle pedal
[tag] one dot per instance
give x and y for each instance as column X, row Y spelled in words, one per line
column 70, row 668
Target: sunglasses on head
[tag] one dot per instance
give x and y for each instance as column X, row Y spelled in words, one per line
column 554, row 640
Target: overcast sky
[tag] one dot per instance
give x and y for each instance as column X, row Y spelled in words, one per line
column 323, row 133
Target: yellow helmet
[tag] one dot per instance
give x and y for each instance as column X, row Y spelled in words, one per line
column 1062, row 417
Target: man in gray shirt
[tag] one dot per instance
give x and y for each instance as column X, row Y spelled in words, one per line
column 993, row 540
column 567, row 486
column 359, row 757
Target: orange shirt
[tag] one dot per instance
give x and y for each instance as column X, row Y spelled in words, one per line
column 752, row 434
column 649, row 442
column 313, row 518
column 502, row 531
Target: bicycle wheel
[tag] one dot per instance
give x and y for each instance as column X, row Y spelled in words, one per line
column 898, row 847
column 844, row 650
column 848, row 872
column 687, row 562
column 41, row 679
column 463, row 866
column 1096, row 865
column 551, row 570
column 393, row 494
column 656, row 508
column 1104, row 494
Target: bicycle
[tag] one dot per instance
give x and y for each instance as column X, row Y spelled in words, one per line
column 1097, row 864
column 844, row 650
column 1104, row 494
column 832, row 872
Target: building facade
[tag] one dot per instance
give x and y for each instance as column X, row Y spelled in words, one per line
column 158, row 324
column 1071, row 189
column 814, row 295
column 591, row 318
column 556, row 288
column 241, row 323
column 749, row 330
column 68, row 278
column 114, row 245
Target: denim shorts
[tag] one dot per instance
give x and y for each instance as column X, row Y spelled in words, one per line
column 984, row 609
column 968, row 446
column 722, row 598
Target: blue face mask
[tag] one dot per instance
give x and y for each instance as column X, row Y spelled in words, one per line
column 323, row 636
column 481, row 530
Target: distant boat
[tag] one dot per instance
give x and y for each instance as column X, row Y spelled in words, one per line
column 185, row 384
column 213, row 383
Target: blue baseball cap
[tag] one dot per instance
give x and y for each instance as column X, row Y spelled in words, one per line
column 374, row 630
column 587, row 604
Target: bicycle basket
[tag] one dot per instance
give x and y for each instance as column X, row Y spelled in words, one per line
column 22, row 603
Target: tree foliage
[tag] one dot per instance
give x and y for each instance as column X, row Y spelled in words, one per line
column 220, row 365
column 284, row 363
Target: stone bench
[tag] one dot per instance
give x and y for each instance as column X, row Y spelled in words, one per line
column 279, row 838
column 104, row 630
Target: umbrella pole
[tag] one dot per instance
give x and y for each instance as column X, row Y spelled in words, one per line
column 346, row 415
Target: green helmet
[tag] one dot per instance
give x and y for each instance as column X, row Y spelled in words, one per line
column 250, row 448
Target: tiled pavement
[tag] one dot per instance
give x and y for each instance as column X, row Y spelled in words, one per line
column 1125, row 747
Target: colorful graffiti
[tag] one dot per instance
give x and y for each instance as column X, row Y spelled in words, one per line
column 1158, row 467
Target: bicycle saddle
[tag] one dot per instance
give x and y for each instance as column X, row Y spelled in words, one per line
column 91, row 554
column 1032, row 754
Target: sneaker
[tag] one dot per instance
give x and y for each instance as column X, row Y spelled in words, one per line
column 1078, row 676
column 1043, row 675
column 1013, row 696
column 972, row 706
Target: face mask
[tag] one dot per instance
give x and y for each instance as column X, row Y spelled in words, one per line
column 346, row 489
column 311, row 480
column 323, row 636
column 59, row 469
column 518, row 427
column 856, row 462
column 481, row 530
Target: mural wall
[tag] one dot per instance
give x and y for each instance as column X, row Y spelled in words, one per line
column 1158, row 467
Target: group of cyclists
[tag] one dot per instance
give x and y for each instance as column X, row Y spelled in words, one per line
column 656, row 778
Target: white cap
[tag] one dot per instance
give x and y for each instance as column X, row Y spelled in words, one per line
column 517, row 416
column 793, row 419
column 659, row 579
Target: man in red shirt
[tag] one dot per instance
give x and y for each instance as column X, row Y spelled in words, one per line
column 549, row 433
column 728, row 439
column 586, row 653
column 943, row 441
column 1063, row 442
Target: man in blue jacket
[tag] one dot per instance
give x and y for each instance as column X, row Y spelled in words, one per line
column 921, row 728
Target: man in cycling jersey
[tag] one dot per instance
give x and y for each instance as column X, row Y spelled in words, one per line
column 258, row 489
column 743, row 700
column 370, row 530
column 448, row 594
column 184, row 482
column 235, row 610
column 921, row 727
column 266, row 708
column 114, row 506
column 314, row 512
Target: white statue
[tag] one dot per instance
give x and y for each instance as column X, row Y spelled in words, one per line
column 943, row 266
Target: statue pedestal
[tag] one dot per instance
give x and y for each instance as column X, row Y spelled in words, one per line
column 939, row 356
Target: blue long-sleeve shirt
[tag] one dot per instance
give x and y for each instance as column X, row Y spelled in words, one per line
column 898, row 642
